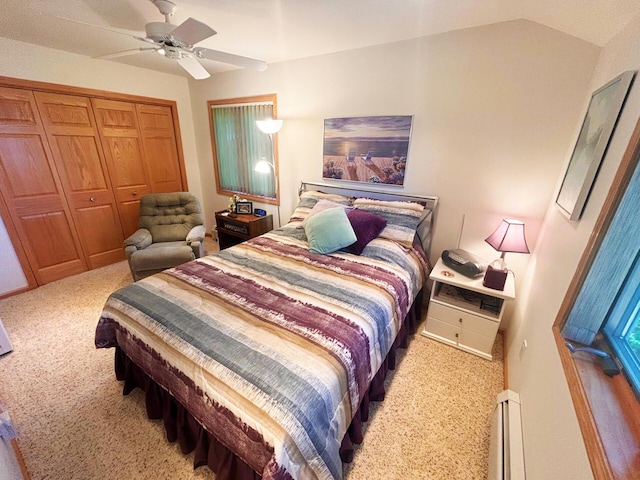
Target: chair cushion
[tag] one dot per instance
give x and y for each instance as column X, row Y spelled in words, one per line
column 169, row 233
column 169, row 216
column 160, row 257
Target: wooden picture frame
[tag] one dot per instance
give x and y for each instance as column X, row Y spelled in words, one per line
column 596, row 132
column 244, row 208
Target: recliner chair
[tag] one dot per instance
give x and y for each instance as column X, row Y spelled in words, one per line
column 171, row 232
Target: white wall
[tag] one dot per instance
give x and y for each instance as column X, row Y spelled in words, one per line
column 494, row 109
column 26, row 61
column 549, row 421
column 10, row 263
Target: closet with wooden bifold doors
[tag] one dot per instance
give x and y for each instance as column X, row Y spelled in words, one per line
column 72, row 169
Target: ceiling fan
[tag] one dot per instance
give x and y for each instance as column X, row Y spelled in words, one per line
column 177, row 43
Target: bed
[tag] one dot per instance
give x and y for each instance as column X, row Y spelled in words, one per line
column 263, row 358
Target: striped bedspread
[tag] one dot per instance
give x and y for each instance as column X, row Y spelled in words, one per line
column 270, row 347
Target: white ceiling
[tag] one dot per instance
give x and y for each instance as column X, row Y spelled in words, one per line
column 278, row 30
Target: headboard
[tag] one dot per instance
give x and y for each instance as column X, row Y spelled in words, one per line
column 425, row 227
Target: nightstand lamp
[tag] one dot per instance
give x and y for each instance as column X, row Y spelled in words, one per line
column 508, row 237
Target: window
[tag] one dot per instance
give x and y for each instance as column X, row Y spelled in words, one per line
column 607, row 410
column 608, row 299
column 623, row 327
column 238, row 145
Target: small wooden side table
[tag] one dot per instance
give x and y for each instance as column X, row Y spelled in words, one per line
column 235, row 230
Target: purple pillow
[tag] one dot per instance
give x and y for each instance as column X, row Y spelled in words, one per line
column 367, row 227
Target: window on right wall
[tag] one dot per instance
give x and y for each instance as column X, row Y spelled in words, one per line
column 622, row 328
column 607, row 302
column 601, row 304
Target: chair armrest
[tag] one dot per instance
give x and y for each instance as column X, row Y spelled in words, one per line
column 128, row 251
column 139, row 240
column 196, row 234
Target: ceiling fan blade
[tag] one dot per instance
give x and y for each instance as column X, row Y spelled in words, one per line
column 192, row 31
column 121, row 31
column 193, row 68
column 230, row 58
column 124, row 53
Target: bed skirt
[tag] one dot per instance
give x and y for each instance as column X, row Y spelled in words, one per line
column 183, row 428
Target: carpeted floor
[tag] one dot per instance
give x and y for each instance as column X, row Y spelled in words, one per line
column 74, row 422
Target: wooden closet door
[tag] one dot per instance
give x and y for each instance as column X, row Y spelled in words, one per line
column 122, row 144
column 33, row 192
column 70, row 126
column 160, row 147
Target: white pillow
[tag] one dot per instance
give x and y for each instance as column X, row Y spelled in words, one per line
column 321, row 206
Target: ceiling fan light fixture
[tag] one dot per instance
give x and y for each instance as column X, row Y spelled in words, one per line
column 177, row 43
column 159, row 31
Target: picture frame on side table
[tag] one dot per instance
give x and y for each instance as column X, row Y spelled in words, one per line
column 596, row 132
column 244, row 208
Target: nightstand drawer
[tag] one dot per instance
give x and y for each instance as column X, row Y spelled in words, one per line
column 242, row 229
column 464, row 320
column 479, row 325
column 477, row 342
column 443, row 313
column 443, row 330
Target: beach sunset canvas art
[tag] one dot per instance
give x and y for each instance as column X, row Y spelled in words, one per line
column 367, row 149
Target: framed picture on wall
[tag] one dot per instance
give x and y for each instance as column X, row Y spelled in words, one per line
column 597, row 128
column 367, row 149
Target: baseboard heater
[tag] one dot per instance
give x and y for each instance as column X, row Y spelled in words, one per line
column 506, row 452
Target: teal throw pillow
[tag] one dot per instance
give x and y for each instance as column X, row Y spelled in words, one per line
column 329, row 231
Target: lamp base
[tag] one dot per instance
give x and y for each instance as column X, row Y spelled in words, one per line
column 495, row 278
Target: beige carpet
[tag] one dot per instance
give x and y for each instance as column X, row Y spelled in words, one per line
column 74, row 422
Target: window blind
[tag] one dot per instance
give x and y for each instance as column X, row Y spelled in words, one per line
column 240, row 145
column 610, row 268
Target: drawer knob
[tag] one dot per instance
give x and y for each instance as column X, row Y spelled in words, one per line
column 457, row 334
column 92, row 199
column 134, row 193
column 460, row 320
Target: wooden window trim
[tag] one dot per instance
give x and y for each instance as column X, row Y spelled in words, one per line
column 607, row 409
column 272, row 98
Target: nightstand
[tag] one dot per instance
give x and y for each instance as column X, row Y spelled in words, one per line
column 235, row 230
column 464, row 313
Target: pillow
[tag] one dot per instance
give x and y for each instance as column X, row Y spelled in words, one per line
column 309, row 198
column 320, row 206
column 329, row 231
column 366, row 226
column 402, row 218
